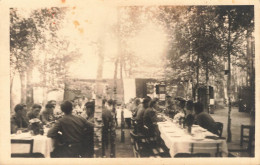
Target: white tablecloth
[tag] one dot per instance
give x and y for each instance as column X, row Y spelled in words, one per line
column 41, row 144
column 179, row 141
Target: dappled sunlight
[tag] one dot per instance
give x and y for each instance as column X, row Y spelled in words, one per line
column 149, row 43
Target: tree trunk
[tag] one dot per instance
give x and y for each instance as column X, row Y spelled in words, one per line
column 23, row 86
column 250, row 55
column 121, row 77
column 29, row 86
column 198, row 70
column 229, row 134
column 44, row 79
column 207, row 86
column 115, row 81
column 98, row 101
column 11, row 93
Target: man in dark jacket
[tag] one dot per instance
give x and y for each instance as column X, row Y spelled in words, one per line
column 19, row 121
column 73, row 129
column 140, row 114
column 150, row 117
column 109, row 128
column 35, row 112
column 204, row 119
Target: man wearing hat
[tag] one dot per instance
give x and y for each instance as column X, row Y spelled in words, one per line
column 35, row 112
column 19, row 120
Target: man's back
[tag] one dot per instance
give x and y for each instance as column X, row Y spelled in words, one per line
column 140, row 112
column 107, row 118
column 206, row 121
column 71, row 127
column 149, row 117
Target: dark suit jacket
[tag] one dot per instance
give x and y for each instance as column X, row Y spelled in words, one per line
column 206, row 121
column 72, row 128
column 18, row 122
column 150, row 118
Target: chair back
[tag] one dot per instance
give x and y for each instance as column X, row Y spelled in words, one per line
column 135, row 144
column 182, row 155
column 219, row 128
column 213, row 149
column 134, row 123
column 21, row 146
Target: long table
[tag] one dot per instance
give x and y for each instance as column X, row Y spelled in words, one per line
column 41, row 144
column 178, row 140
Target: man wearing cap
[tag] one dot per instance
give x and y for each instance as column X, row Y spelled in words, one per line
column 35, row 112
column 19, row 121
column 47, row 115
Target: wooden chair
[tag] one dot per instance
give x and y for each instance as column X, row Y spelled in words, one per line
column 248, row 138
column 134, row 124
column 214, row 149
column 182, row 155
column 140, row 147
column 150, row 138
column 30, row 153
column 187, row 155
column 155, row 144
column 202, row 150
column 219, row 127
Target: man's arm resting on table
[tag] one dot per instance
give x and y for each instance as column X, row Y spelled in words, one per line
column 53, row 132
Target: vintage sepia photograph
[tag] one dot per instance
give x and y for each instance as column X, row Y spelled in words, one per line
column 110, row 80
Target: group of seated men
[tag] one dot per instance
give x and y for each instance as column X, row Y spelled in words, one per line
column 20, row 120
column 144, row 113
column 73, row 134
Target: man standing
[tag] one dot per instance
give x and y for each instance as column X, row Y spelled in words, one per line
column 19, row 121
column 73, row 130
column 109, row 128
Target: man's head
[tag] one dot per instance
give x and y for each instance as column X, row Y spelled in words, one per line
column 49, row 107
column 189, row 105
column 198, row 107
column 36, row 109
column 104, row 102
column 137, row 101
column 90, row 107
column 66, row 107
column 146, row 101
column 20, row 109
column 53, row 102
column 76, row 102
column 154, row 103
column 110, row 102
column 182, row 103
